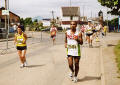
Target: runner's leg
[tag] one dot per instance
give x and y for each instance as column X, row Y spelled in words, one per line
column 76, row 66
column 70, row 62
column 20, row 56
column 24, row 53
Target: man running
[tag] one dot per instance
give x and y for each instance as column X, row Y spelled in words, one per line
column 73, row 39
column 20, row 41
column 53, row 31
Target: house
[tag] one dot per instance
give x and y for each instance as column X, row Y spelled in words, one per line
column 71, row 14
column 68, row 14
column 95, row 20
column 46, row 22
column 14, row 18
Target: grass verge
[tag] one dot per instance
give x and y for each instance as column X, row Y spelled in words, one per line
column 117, row 53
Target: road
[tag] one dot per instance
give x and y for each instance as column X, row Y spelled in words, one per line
column 48, row 63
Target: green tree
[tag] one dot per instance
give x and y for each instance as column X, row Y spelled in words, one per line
column 22, row 21
column 35, row 20
column 28, row 21
column 114, row 5
column 114, row 22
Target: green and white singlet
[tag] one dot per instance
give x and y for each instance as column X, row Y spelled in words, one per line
column 73, row 48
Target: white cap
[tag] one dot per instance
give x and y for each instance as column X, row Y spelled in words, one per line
column 89, row 20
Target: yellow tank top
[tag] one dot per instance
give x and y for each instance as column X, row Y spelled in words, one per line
column 20, row 40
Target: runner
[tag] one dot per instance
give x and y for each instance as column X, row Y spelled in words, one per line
column 73, row 39
column 105, row 30
column 98, row 30
column 53, row 31
column 20, row 41
column 89, row 33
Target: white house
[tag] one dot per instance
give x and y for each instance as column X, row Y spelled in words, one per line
column 69, row 14
column 46, row 22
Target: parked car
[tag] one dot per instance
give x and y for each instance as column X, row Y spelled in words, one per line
column 59, row 28
column 11, row 30
column 46, row 29
column 67, row 28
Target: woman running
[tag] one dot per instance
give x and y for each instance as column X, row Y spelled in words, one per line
column 53, row 31
column 20, row 41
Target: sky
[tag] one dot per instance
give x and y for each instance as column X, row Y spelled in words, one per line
column 43, row 8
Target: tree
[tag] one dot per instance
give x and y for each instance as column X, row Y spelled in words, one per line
column 114, row 22
column 114, row 5
column 22, row 21
column 28, row 21
column 35, row 20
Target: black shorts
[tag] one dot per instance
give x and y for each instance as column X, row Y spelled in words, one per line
column 21, row 47
column 53, row 36
column 89, row 34
column 74, row 56
column 94, row 31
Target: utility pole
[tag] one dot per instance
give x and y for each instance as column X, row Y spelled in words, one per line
column 53, row 14
column 7, row 27
column 70, row 3
column 71, row 16
column 6, row 17
column 53, row 20
column 8, row 22
column 83, row 10
column 91, row 13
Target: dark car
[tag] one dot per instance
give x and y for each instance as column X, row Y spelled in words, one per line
column 11, row 30
column 67, row 28
column 46, row 29
column 59, row 28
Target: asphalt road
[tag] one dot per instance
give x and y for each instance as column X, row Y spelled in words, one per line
column 47, row 63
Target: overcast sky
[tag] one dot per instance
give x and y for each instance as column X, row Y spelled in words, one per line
column 43, row 8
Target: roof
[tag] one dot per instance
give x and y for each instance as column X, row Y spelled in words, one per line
column 78, row 22
column 2, row 8
column 70, row 11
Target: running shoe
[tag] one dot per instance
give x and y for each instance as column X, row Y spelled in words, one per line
column 25, row 64
column 75, row 79
column 71, row 75
column 22, row 65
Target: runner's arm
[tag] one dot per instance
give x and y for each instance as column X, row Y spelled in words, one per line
column 25, row 36
column 80, row 39
column 15, row 39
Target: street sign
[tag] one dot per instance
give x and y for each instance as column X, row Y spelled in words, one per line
column 5, row 12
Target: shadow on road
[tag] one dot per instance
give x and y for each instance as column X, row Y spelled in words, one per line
column 88, row 78
column 96, row 46
column 110, row 45
column 33, row 66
